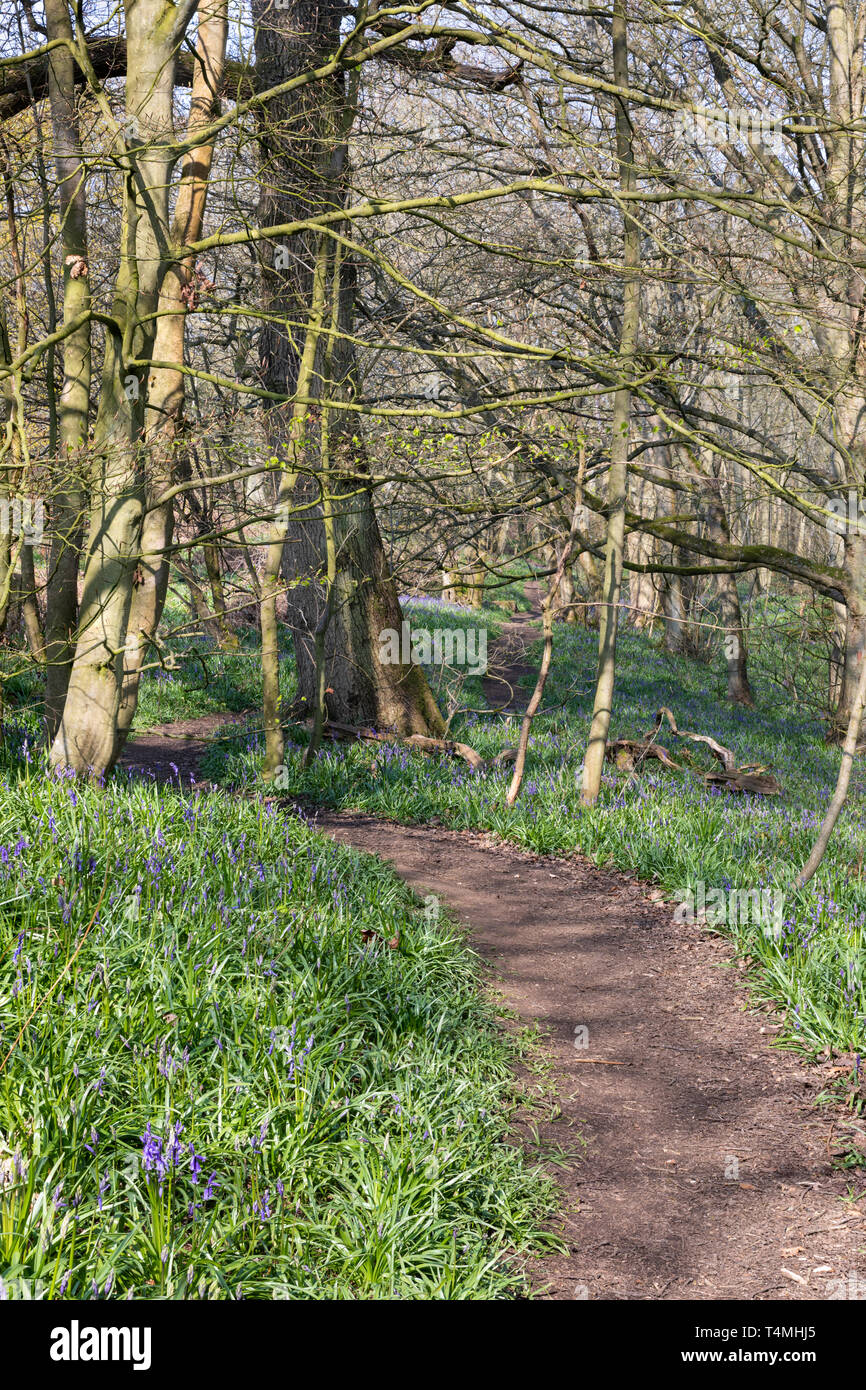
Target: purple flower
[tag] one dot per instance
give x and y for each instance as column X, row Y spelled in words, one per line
column 262, row 1208
column 195, row 1162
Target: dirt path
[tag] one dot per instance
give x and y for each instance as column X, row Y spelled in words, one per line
column 696, row 1166
column 507, row 662
column 705, row 1173
column 173, row 752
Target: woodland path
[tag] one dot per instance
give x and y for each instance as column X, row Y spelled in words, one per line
column 693, row 1162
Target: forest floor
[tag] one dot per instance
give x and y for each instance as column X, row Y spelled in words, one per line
column 692, row 1159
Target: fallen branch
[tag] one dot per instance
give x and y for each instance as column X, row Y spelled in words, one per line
column 724, row 755
column 759, row 784
column 629, row 753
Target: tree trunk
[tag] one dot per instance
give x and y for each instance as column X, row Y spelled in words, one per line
column 642, row 597
column 568, row 595
column 849, row 751
column 673, row 610
column 593, row 588
column 30, row 615
column 618, row 475
column 307, row 131
column 739, row 690
column 228, row 639
column 86, row 740
column 68, row 499
column 165, row 394
column 855, row 629
column 548, row 614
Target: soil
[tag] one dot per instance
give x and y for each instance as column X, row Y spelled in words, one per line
column 693, row 1162
column 172, row 752
column 696, row 1165
column 507, row 664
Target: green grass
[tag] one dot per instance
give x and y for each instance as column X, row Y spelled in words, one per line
column 668, row 828
column 199, row 678
column 202, row 680
column 216, row 1087
column 456, row 686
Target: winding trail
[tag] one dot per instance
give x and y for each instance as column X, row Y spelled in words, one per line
column 693, row 1162
column 697, row 1166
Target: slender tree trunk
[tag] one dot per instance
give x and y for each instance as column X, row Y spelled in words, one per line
column 836, row 670
column 673, row 610
column 326, row 618
column 8, row 554
column 69, row 487
column 642, row 597
column 640, row 548
column 6, row 571
column 594, row 588
column 855, row 628
column 548, row 614
column 569, row 595
column 165, row 397
column 198, row 603
column 228, row 640
column 739, row 690
column 618, row 474
column 849, row 750
column 30, row 615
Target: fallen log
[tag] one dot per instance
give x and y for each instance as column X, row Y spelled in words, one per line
column 629, row 753
column 759, row 784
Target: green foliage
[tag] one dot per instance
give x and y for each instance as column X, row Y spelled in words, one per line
column 219, row 1078
column 666, row 827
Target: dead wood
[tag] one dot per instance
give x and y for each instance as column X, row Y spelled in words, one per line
column 629, row 753
column 759, row 784
column 724, row 755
